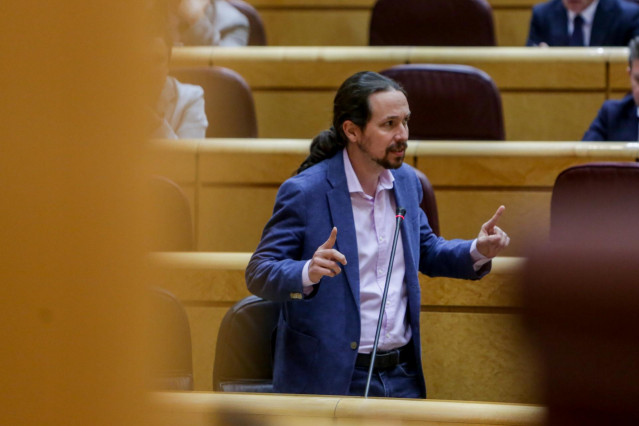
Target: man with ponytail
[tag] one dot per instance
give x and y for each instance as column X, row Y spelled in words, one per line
column 325, row 252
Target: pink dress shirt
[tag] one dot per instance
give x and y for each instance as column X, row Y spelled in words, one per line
column 375, row 228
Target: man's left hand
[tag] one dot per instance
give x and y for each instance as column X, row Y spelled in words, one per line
column 492, row 239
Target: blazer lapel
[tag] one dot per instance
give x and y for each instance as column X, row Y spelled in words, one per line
column 341, row 210
column 601, row 24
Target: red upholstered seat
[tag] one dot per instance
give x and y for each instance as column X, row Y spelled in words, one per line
column 598, row 199
column 450, row 102
column 429, row 203
column 432, row 23
column 257, row 34
column 171, row 215
column 228, row 101
column 581, row 305
column 171, row 338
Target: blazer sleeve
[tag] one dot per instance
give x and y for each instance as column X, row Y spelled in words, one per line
column 598, row 130
column 275, row 269
column 535, row 31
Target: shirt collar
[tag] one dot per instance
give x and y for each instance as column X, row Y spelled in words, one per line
column 588, row 14
column 386, row 179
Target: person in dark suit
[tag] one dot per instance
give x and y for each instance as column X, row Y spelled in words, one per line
column 618, row 120
column 583, row 23
column 325, row 252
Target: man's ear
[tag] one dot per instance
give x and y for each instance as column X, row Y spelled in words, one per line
column 351, row 130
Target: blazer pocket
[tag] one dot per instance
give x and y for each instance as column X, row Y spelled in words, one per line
column 295, row 359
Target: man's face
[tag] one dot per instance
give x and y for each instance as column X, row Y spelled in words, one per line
column 633, row 71
column 577, row 6
column 384, row 138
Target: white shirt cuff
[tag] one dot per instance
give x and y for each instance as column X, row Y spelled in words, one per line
column 479, row 259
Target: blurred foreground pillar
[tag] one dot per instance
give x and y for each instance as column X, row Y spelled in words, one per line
column 71, row 169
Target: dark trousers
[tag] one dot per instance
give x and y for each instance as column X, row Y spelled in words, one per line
column 400, row 381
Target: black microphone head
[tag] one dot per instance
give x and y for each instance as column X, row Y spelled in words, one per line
column 401, row 211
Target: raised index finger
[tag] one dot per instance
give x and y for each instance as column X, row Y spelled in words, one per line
column 493, row 220
column 331, row 239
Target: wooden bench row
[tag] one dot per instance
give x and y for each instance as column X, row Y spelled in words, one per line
column 474, row 347
column 346, row 23
column 471, row 179
column 547, row 94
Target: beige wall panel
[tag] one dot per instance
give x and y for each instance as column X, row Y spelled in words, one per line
column 204, row 285
column 511, row 26
column 316, row 27
column 313, row 72
column 527, row 116
column 526, row 219
column 495, row 289
column 232, row 218
column 265, row 168
column 205, row 324
column 619, row 79
column 478, row 357
column 293, row 114
column 549, row 116
column 515, row 74
column 498, row 171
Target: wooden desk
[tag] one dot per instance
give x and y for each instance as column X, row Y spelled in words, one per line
column 210, row 408
column 474, row 347
column 547, row 94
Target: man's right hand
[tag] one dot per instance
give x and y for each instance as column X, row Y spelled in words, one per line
column 325, row 260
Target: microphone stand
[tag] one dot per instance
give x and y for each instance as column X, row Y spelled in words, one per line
column 399, row 216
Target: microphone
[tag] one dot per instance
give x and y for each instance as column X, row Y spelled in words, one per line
column 399, row 217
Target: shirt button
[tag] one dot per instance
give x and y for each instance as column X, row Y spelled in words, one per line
column 353, row 345
column 381, row 239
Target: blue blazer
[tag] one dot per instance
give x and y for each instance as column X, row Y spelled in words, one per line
column 318, row 336
column 616, row 121
column 615, row 23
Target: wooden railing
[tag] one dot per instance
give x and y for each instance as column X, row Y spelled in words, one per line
column 547, row 94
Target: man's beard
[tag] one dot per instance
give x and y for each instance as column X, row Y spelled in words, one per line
column 386, row 163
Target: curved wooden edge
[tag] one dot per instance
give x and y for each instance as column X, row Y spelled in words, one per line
column 326, row 407
column 200, row 260
column 238, row 261
column 207, row 56
column 621, row 150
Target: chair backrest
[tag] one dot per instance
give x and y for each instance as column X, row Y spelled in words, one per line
column 429, row 203
column 432, row 23
column 245, row 346
column 257, row 34
column 581, row 305
column 170, row 213
column 171, row 339
column 228, row 101
column 598, row 199
column 450, row 102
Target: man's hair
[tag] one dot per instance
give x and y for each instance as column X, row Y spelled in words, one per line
column 351, row 103
column 634, row 50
